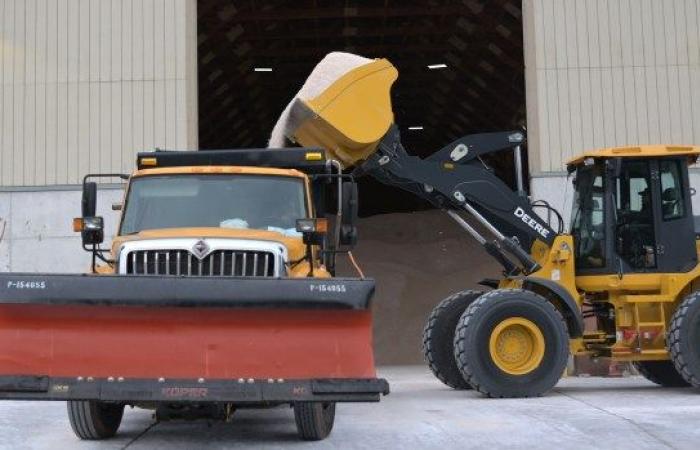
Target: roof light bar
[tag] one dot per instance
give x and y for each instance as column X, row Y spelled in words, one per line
column 416, row 128
column 262, row 69
column 437, row 66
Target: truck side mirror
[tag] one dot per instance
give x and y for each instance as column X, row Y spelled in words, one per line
column 90, row 226
column 89, row 202
column 348, row 220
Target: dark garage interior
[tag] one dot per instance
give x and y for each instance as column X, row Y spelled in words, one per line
column 417, row 256
column 481, row 88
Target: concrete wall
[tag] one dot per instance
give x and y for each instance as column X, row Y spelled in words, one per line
column 85, row 84
column 36, row 229
column 603, row 73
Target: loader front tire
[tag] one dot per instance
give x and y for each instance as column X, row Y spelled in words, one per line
column 314, row 419
column 683, row 340
column 93, row 420
column 511, row 343
column 439, row 335
column 663, row 373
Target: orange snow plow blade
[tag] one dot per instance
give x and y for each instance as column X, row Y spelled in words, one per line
column 53, row 345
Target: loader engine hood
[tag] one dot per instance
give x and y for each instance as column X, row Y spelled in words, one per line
column 344, row 107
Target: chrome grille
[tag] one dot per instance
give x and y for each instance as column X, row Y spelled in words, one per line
column 228, row 263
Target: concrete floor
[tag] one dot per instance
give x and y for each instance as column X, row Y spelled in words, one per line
column 420, row 413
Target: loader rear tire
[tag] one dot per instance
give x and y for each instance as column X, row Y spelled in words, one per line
column 663, row 373
column 93, row 420
column 439, row 336
column 314, row 419
column 683, row 340
column 511, row 343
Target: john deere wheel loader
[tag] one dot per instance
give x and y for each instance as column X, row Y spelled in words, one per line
column 218, row 293
column 630, row 261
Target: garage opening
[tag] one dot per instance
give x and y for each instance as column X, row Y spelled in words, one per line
column 460, row 63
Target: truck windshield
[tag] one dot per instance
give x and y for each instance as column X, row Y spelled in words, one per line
column 227, row 201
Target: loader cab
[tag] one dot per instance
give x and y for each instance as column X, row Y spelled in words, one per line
column 632, row 211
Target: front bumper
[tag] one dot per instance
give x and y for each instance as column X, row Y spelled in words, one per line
column 239, row 391
column 185, row 292
column 184, row 328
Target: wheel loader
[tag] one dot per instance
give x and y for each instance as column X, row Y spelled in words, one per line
column 623, row 283
column 217, row 293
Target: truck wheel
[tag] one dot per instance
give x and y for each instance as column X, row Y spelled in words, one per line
column 93, row 420
column 439, row 335
column 663, row 373
column 314, row 419
column 683, row 340
column 511, row 343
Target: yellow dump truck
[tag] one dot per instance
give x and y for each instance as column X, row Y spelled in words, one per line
column 218, row 292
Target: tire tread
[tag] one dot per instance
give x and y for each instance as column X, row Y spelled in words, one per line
column 313, row 422
column 464, row 322
column 430, row 348
column 87, row 422
column 673, row 339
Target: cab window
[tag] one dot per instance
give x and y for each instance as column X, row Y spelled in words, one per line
column 634, row 230
column 672, row 205
column 588, row 218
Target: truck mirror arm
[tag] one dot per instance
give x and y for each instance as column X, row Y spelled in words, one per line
column 88, row 207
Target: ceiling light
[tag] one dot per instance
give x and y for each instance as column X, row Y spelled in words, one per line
column 262, row 69
column 416, row 128
column 437, row 66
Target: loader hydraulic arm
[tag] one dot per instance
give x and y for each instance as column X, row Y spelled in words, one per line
column 456, row 179
column 352, row 118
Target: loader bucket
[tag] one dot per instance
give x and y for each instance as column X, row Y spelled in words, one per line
column 350, row 117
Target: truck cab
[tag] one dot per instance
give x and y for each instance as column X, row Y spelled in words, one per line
column 228, row 213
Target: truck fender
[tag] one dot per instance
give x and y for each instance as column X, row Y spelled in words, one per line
column 561, row 299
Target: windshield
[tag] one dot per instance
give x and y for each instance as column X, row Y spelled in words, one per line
column 227, row 201
column 588, row 219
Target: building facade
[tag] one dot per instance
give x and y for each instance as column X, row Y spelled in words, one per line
column 607, row 73
column 85, row 84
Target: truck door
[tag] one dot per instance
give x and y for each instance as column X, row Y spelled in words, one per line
column 635, row 234
column 676, row 250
